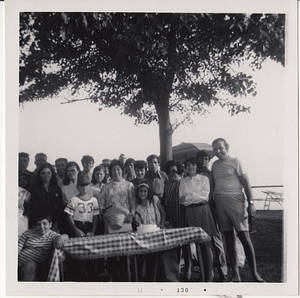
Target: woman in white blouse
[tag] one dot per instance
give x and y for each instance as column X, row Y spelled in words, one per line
column 193, row 194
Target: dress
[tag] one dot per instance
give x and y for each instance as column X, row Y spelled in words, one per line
column 24, row 196
column 149, row 214
column 118, row 194
column 46, row 201
column 33, row 247
column 169, row 260
column 148, row 263
column 175, row 212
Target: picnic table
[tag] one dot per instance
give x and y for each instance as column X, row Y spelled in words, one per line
column 123, row 244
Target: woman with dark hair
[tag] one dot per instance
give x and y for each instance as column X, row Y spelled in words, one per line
column 98, row 177
column 118, row 192
column 194, row 194
column 117, row 197
column 129, row 169
column 176, row 215
column 46, row 196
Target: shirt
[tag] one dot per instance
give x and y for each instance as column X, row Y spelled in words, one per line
column 195, row 189
column 226, row 176
column 82, row 210
column 33, row 247
column 157, row 182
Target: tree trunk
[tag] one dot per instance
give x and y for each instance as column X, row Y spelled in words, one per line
column 165, row 131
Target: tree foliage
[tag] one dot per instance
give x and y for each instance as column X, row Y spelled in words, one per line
column 147, row 64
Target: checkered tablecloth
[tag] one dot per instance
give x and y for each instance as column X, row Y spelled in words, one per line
column 124, row 244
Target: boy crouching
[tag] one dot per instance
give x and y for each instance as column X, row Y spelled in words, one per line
column 35, row 248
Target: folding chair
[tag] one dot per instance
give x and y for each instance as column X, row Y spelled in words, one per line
column 272, row 196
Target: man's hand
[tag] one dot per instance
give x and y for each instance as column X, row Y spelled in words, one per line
column 251, row 210
column 60, row 240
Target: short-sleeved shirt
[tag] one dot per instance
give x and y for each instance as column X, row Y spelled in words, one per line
column 226, row 176
column 82, row 210
column 149, row 214
column 33, row 247
column 156, row 182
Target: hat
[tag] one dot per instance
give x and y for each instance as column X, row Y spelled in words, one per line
column 83, row 179
column 115, row 217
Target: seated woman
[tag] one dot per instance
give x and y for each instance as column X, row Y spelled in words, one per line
column 35, row 248
column 194, row 194
column 46, row 196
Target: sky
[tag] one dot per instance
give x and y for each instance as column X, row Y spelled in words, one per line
column 77, row 129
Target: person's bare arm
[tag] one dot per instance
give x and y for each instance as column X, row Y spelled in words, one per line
column 60, row 240
column 248, row 191
column 95, row 223
column 71, row 222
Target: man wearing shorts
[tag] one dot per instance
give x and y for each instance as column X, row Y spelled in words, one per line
column 230, row 180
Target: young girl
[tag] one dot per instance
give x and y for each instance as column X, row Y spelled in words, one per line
column 148, row 211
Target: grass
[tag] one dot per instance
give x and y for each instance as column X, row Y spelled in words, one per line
column 267, row 239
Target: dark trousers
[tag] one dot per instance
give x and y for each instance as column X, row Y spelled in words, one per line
column 147, row 267
column 168, row 265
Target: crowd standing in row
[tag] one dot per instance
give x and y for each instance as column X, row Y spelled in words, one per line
column 59, row 202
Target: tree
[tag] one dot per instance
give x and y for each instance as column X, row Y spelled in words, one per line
column 147, row 64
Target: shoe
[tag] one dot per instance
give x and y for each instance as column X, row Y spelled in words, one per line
column 259, row 279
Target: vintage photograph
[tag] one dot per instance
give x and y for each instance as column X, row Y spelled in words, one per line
column 152, row 145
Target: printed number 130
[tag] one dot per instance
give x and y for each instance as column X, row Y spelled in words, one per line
column 182, row 290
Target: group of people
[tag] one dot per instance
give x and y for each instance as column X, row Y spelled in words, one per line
column 62, row 201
